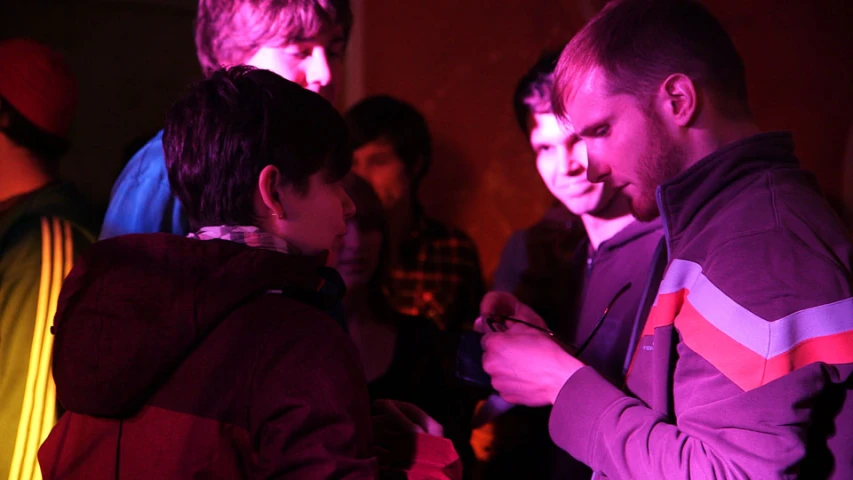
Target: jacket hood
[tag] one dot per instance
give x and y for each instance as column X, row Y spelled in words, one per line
column 135, row 306
column 688, row 194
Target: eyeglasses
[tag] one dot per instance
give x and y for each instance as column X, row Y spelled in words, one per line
column 498, row 323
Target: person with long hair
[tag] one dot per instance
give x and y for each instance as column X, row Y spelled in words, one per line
column 400, row 353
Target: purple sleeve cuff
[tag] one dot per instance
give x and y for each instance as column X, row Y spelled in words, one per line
column 577, row 411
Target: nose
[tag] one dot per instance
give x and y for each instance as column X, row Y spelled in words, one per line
column 318, row 71
column 596, row 171
column 347, row 205
column 570, row 165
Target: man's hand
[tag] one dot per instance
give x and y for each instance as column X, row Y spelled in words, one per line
column 527, row 366
column 505, row 304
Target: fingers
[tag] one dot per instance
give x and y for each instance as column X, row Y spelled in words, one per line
column 505, row 304
column 388, row 418
column 420, row 418
column 526, row 313
column 408, row 417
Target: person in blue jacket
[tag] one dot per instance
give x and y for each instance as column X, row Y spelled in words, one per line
column 302, row 41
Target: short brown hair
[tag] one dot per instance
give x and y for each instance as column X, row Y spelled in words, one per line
column 638, row 43
column 227, row 32
column 229, row 126
column 382, row 117
column 533, row 92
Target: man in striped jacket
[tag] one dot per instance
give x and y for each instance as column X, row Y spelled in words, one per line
column 43, row 225
column 743, row 367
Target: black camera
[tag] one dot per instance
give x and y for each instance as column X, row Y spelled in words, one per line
column 469, row 361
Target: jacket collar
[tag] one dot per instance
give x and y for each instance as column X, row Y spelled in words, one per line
column 716, row 176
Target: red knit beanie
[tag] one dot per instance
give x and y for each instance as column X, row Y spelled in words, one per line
column 39, row 84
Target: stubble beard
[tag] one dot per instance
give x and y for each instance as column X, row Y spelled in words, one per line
column 662, row 162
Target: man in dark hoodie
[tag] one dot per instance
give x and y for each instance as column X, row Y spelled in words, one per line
column 211, row 356
column 743, row 368
column 44, row 224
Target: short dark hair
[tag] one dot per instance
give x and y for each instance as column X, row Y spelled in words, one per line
column 385, row 118
column 638, row 43
column 533, row 92
column 228, row 32
column 227, row 128
column 45, row 146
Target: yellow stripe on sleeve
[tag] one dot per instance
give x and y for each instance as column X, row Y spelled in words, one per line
column 39, row 409
column 41, row 312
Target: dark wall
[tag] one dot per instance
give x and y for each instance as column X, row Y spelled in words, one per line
column 458, row 62
column 132, row 59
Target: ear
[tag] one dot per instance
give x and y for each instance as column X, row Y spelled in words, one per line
column 418, row 169
column 678, row 99
column 268, row 182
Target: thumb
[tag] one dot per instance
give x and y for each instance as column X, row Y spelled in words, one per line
column 506, row 304
column 499, row 303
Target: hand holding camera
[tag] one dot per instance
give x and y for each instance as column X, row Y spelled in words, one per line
column 527, row 364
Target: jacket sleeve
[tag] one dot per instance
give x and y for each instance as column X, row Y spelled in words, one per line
column 36, row 258
column 759, row 389
column 142, row 200
column 309, row 408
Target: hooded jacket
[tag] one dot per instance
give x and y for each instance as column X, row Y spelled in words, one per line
column 743, row 369
column 183, row 358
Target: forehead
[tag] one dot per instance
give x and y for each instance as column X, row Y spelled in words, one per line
column 327, row 34
column 547, row 125
column 590, row 93
column 374, row 148
column 591, row 101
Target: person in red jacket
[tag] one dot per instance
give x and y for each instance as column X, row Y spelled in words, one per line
column 212, row 355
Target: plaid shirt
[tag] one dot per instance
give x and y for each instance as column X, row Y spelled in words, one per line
column 437, row 276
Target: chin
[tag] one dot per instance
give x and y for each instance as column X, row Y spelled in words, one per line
column 644, row 211
column 584, row 205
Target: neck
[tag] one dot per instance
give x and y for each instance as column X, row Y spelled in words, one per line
column 400, row 223
column 601, row 229
column 607, row 221
column 20, row 170
column 357, row 305
column 711, row 135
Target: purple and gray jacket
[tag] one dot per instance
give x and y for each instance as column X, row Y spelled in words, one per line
column 745, row 366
